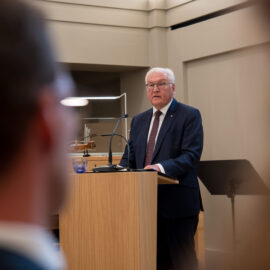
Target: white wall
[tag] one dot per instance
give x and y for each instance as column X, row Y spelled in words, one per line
column 222, row 68
column 119, row 32
column 133, row 84
column 125, row 4
column 96, row 32
column 193, row 9
column 103, row 45
column 226, row 33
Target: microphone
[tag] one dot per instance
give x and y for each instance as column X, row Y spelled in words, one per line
column 127, row 144
column 112, row 135
column 110, row 167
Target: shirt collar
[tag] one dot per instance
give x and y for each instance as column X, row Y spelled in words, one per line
column 164, row 109
column 33, row 242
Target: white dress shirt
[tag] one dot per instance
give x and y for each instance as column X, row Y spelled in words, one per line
column 164, row 111
column 33, row 242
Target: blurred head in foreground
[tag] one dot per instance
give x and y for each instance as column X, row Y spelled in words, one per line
column 35, row 128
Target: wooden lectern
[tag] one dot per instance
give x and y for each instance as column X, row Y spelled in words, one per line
column 110, row 221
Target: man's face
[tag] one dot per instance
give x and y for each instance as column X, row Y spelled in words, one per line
column 162, row 95
column 64, row 130
column 59, row 176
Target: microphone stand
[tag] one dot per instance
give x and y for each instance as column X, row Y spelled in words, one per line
column 127, row 144
column 110, row 167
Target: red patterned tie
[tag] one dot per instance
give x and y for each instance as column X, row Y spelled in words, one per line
column 152, row 140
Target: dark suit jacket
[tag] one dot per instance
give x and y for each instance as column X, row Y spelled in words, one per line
column 178, row 149
column 10, row 260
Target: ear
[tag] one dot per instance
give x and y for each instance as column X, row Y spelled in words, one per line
column 173, row 88
column 46, row 120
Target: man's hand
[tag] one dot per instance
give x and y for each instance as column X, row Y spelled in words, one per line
column 153, row 167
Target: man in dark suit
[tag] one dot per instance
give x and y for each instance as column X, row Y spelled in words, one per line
column 35, row 131
column 169, row 138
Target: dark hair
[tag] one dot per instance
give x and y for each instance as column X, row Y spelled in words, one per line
column 26, row 64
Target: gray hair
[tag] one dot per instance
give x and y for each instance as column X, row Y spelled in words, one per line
column 167, row 71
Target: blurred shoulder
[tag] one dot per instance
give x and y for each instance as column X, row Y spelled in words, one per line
column 143, row 115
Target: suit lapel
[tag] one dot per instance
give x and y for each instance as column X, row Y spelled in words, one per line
column 169, row 118
column 142, row 142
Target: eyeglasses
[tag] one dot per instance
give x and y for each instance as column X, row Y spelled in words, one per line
column 160, row 86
